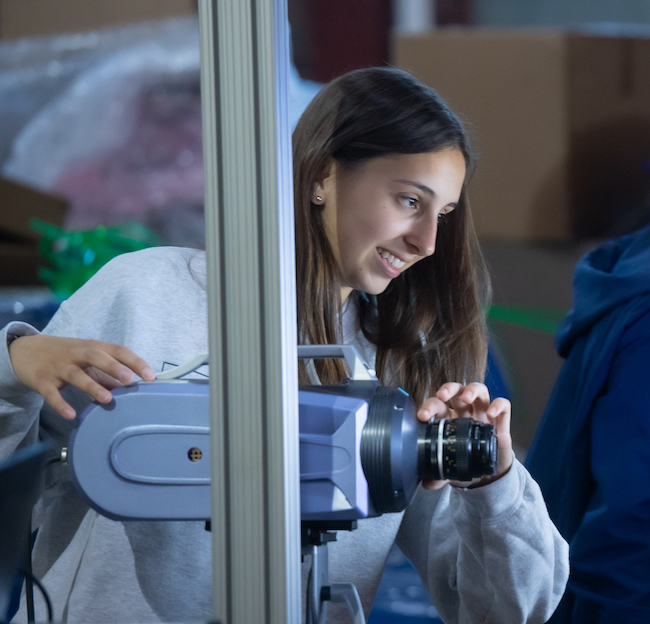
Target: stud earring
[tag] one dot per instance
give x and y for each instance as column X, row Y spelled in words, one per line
column 318, row 199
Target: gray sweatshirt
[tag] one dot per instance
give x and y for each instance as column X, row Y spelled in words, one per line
column 490, row 554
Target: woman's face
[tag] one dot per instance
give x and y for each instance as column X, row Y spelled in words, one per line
column 383, row 216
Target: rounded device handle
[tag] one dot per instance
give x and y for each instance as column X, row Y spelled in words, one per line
column 359, row 370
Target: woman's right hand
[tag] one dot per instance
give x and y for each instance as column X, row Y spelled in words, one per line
column 48, row 363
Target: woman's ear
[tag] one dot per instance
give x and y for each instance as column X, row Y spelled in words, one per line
column 323, row 185
column 318, row 194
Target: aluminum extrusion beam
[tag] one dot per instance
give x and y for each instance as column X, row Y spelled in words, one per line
column 252, row 311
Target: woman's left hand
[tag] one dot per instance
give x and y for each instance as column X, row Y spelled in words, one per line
column 454, row 400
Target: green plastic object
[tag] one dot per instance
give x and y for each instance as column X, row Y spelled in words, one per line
column 544, row 319
column 74, row 257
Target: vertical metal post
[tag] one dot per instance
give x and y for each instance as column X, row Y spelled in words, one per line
column 252, row 311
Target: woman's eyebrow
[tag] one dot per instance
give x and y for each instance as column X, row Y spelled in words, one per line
column 424, row 189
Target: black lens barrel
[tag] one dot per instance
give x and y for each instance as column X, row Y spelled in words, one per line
column 461, row 449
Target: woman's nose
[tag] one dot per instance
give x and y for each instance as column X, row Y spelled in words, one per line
column 422, row 236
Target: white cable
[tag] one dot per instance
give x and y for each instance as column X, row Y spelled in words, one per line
column 184, row 369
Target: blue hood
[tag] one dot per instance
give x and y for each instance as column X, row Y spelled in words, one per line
column 604, row 278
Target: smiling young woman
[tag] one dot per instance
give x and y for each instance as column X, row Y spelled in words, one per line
column 380, row 169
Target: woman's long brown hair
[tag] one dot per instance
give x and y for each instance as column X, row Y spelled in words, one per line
column 429, row 324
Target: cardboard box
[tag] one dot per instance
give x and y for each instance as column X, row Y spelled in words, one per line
column 19, row 257
column 32, row 18
column 561, row 122
column 20, row 203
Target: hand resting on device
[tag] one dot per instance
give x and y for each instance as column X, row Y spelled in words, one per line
column 48, row 363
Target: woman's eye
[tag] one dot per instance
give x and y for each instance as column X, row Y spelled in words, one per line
column 409, row 202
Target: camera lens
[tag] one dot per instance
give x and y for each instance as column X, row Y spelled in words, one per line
column 398, row 451
column 461, row 449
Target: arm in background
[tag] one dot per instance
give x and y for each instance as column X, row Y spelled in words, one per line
column 610, row 553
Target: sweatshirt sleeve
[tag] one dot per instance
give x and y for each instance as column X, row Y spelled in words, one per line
column 82, row 314
column 19, row 406
column 610, row 552
column 487, row 555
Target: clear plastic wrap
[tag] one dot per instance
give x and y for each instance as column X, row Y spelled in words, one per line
column 35, row 71
column 122, row 140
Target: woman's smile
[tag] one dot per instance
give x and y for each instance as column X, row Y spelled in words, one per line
column 390, row 263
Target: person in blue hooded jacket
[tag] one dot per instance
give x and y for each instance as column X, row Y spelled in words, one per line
column 591, row 454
